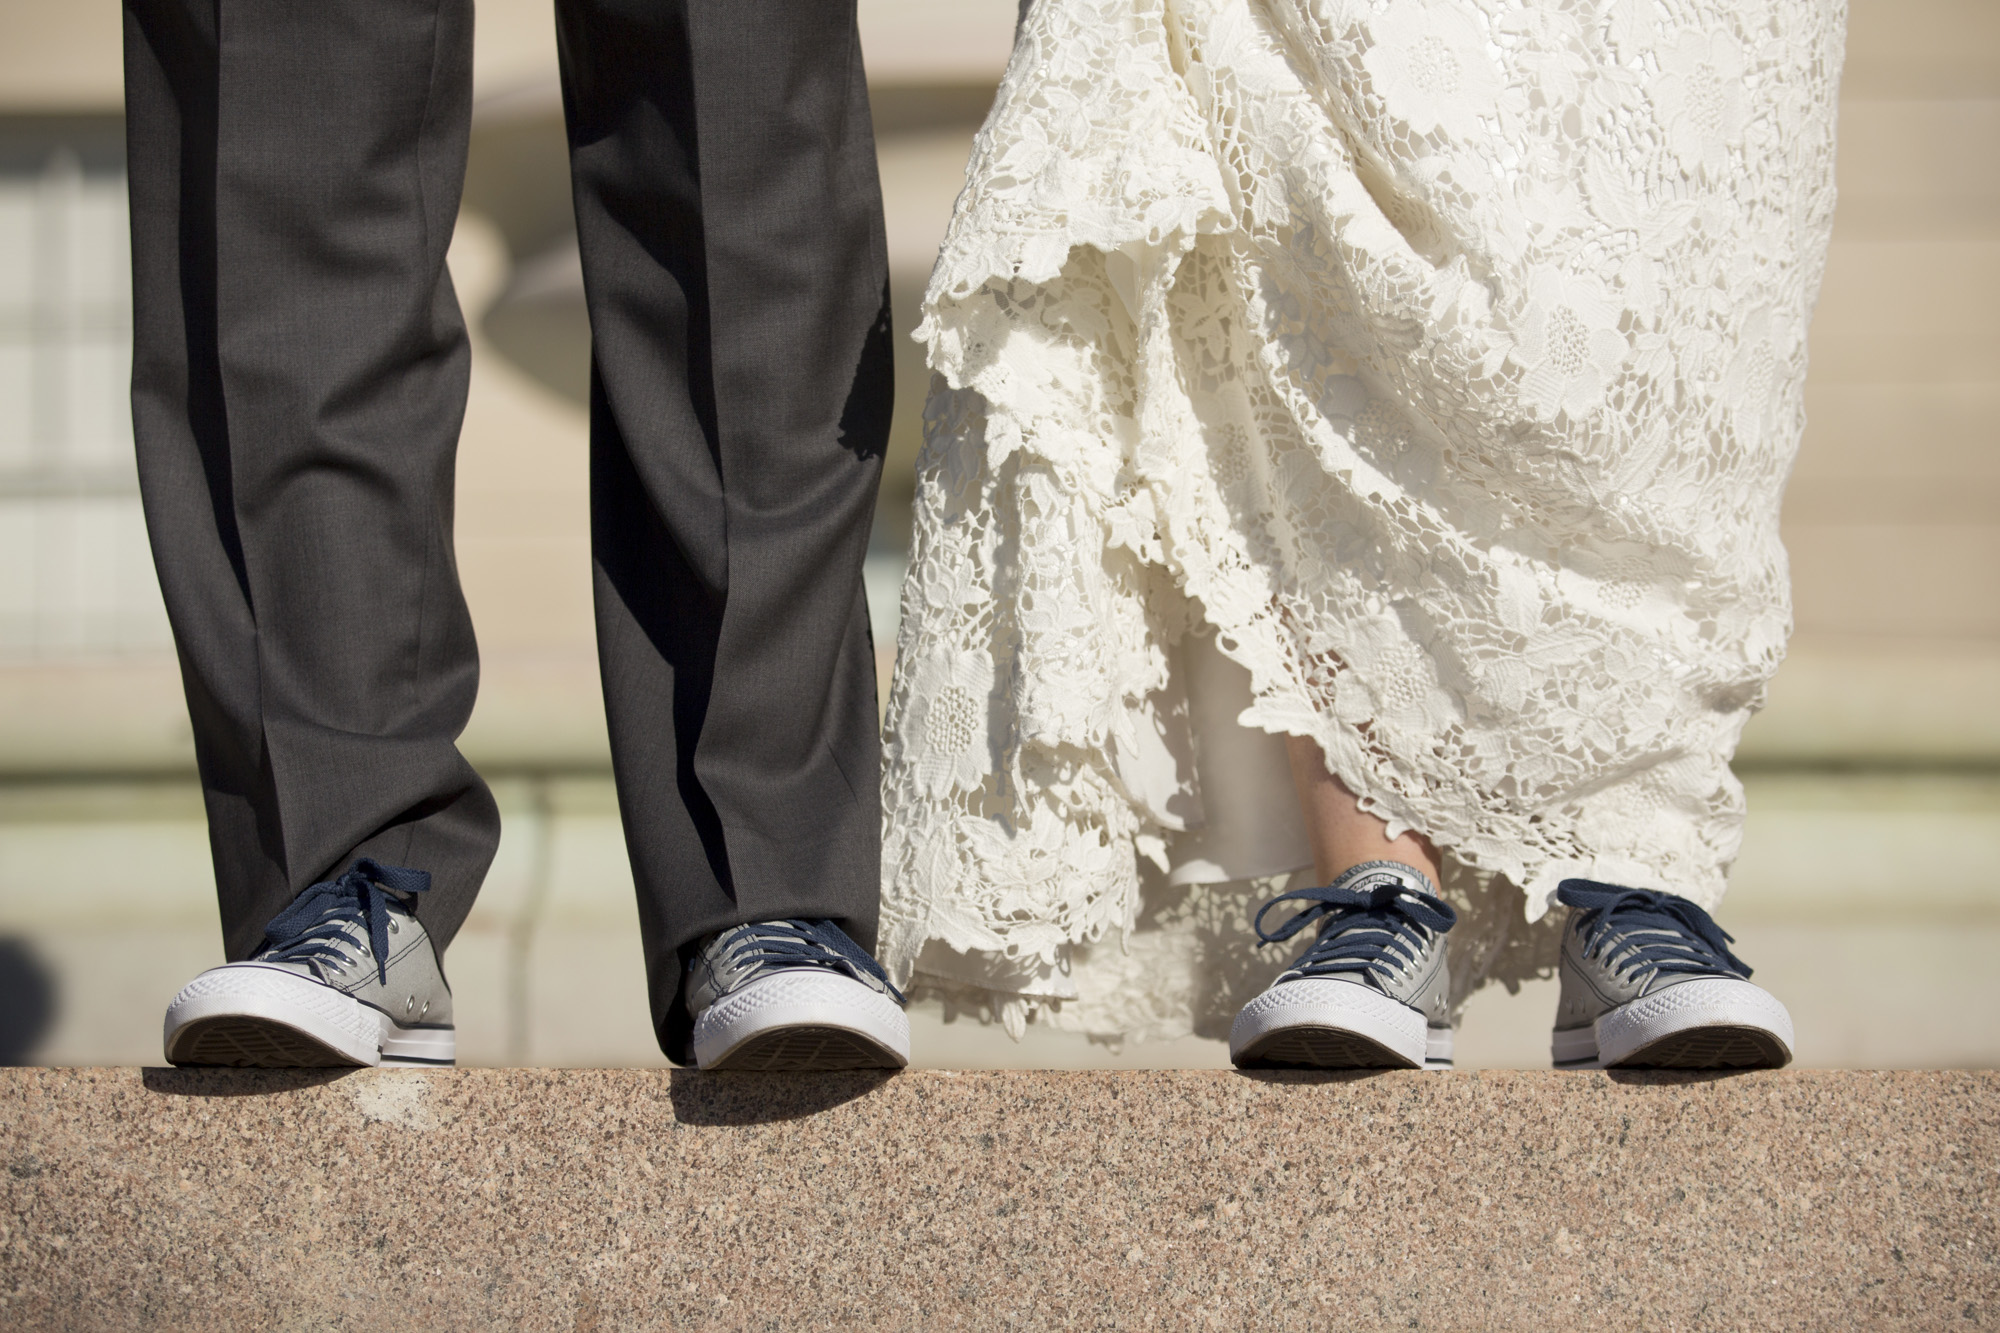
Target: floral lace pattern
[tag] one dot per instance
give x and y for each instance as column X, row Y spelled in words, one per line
column 1444, row 359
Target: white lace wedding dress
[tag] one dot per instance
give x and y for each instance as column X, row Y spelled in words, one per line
column 1420, row 376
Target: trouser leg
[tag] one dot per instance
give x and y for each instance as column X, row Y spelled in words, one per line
column 299, row 378
column 730, row 222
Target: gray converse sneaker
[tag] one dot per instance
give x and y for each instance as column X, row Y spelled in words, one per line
column 1648, row 979
column 793, row 995
column 1372, row 990
column 347, row 976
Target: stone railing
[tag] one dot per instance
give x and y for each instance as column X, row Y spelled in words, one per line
column 579, row 1200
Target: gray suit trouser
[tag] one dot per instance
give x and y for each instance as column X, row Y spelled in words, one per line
column 299, row 379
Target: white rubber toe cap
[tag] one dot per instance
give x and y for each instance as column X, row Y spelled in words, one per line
column 1684, row 1011
column 1311, row 1005
column 813, row 1004
column 249, row 994
column 248, row 1014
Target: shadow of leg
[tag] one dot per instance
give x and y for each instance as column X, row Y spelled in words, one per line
column 27, row 1001
column 760, row 1099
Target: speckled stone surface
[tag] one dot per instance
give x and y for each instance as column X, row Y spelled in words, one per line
column 581, row 1200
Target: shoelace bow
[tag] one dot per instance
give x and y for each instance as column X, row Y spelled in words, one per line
column 311, row 929
column 1379, row 930
column 802, row 943
column 1645, row 928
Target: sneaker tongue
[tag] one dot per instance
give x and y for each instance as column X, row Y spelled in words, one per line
column 1372, row 875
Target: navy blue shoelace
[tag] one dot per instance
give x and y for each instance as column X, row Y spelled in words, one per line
column 312, row 930
column 1377, row 930
column 802, row 943
column 1645, row 928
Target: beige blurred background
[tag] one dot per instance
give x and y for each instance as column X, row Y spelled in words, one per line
column 1868, row 894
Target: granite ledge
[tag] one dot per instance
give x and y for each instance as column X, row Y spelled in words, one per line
column 597, row 1200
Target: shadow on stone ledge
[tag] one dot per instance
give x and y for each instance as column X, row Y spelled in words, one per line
column 1670, row 1078
column 698, row 1098
column 760, row 1099
column 27, row 1001
column 171, row 1082
column 1313, row 1076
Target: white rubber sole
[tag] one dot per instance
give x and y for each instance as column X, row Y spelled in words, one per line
column 1712, row 1023
column 803, row 1019
column 1318, row 1023
column 244, row 1015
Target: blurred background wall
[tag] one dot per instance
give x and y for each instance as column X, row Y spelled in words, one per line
column 1868, row 893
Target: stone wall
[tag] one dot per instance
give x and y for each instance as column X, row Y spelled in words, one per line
column 634, row 1200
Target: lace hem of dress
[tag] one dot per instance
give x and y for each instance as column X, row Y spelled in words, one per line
column 1485, row 514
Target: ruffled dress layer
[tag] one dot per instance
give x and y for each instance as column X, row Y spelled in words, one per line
column 1419, row 376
